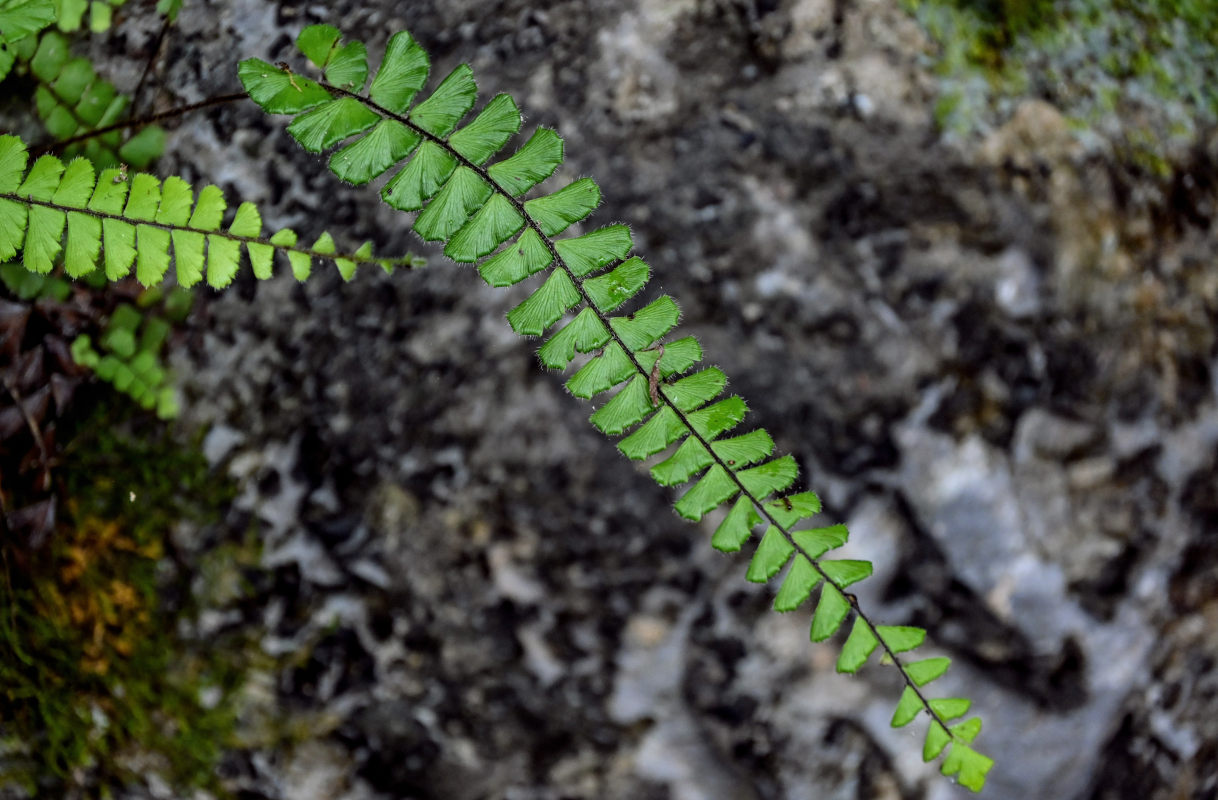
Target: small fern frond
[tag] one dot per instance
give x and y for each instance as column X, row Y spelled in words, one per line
column 483, row 214
column 130, row 357
column 116, row 221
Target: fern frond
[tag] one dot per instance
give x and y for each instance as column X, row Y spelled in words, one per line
column 115, row 221
column 72, row 100
column 130, row 358
column 482, row 212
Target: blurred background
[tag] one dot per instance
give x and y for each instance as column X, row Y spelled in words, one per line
column 957, row 256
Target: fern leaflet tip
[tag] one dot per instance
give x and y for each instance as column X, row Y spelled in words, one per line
column 858, row 648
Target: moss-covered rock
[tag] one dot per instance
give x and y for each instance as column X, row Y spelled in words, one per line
column 1141, row 74
column 96, row 684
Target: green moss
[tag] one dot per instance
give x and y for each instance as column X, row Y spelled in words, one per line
column 1099, row 61
column 96, row 685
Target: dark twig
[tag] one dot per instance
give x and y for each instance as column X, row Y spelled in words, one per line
column 141, row 122
column 148, row 65
column 35, row 430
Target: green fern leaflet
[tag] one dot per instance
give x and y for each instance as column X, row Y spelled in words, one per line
column 490, row 213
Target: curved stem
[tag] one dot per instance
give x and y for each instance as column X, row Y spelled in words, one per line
column 643, row 371
column 35, row 429
column 140, row 122
column 152, row 58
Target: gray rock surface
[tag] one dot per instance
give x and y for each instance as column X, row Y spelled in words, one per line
column 995, row 360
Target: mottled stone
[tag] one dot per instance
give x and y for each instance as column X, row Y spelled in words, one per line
column 994, row 359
